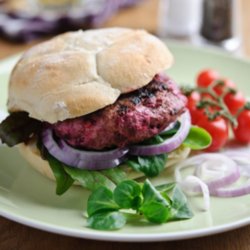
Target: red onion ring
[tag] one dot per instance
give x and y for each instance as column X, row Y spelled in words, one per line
column 90, row 160
column 89, row 155
column 242, row 158
column 228, row 178
column 232, row 191
column 220, row 186
column 169, row 144
column 169, row 127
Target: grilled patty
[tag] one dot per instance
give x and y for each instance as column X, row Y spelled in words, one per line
column 134, row 117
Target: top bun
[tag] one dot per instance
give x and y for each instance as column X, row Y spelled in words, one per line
column 80, row 72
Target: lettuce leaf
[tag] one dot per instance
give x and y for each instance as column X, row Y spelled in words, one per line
column 151, row 166
column 198, row 138
column 63, row 180
column 18, row 127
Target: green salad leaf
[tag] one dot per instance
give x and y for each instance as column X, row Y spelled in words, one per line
column 150, row 193
column 155, row 207
column 167, row 187
column 128, row 194
column 156, row 212
column 180, row 209
column 151, row 166
column 116, row 174
column 107, row 221
column 17, row 128
column 89, row 179
column 101, row 200
column 106, row 209
column 197, row 139
column 63, row 180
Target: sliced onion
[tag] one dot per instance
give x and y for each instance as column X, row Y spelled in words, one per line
column 89, row 155
column 169, row 144
column 169, row 127
column 225, row 173
column 242, row 158
column 204, row 164
column 244, row 165
column 232, row 191
column 189, row 185
column 219, row 178
column 90, row 160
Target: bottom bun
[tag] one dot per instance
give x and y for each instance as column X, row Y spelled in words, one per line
column 32, row 154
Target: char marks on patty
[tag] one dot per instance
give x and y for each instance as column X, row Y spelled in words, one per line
column 134, row 117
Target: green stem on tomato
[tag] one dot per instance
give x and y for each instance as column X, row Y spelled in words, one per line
column 245, row 107
column 217, row 101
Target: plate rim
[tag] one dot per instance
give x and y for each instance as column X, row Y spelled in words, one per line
column 125, row 237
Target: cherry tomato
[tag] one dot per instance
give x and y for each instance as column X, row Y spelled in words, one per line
column 197, row 115
column 235, row 101
column 192, row 100
column 206, row 77
column 218, row 129
column 242, row 131
column 227, row 83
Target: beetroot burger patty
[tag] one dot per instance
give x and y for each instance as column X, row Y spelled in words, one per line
column 134, row 117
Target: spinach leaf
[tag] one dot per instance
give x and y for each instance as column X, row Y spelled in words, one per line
column 155, row 207
column 156, row 212
column 106, row 208
column 198, row 138
column 127, row 194
column 89, row 179
column 180, row 208
column 18, row 127
column 63, row 180
column 151, row 166
column 151, row 194
column 116, row 174
column 101, row 200
column 107, row 221
column 157, row 139
column 166, row 187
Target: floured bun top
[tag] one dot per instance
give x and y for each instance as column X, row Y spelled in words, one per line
column 80, row 72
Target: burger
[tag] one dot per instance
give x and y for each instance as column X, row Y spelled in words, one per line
column 94, row 107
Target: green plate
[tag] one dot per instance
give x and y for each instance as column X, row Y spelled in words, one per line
column 29, row 198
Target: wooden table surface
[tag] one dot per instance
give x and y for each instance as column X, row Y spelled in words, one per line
column 17, row 236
